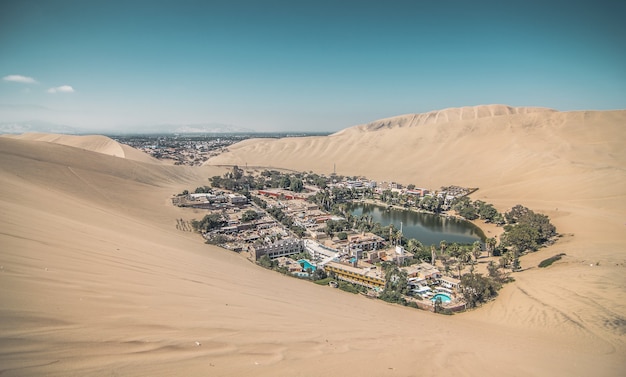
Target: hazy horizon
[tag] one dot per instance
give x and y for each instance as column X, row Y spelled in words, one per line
column 281, row 66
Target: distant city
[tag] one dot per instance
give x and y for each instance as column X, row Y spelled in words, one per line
column 192, row 148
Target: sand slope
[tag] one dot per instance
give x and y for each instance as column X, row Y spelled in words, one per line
column 96, row 280
column 569, row 165
column 94, row 143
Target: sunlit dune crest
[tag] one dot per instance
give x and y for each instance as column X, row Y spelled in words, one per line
column 448, row 115
column 95, row 278
column 94, row 143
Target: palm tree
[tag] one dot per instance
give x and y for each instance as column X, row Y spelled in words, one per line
column 493, row 270
column 399, row 238
column 491, row 245
column 504, row 260
column 464, row 257
column 476, row 250
column 414, row 245
column 432, row 255
column 445, row 260
column 443, row 244
column 515, row 265
column 453, row 249
column 459, row 265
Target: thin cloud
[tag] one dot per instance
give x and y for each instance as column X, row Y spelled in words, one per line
column 20, row 78
column 61, row 89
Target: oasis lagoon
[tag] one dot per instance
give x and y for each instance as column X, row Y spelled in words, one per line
column 427, row 228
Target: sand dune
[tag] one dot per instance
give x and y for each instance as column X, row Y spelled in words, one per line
column 94, row 143
column 96, row 280
column 568, row 165
column 448, row 115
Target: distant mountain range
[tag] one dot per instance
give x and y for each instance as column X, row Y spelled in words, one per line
column 47, row 127
column 195, row 128
column 36, row 126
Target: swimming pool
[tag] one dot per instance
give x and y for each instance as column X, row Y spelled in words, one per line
column 444, row 298
column 306, row 265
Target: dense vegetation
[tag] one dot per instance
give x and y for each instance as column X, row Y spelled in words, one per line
column 527, row 230
column 396, row 284
column 524, row 231
column 464, row 207
column 477, row 289
column 236, row 180
column 250, row 215
column 208, row 223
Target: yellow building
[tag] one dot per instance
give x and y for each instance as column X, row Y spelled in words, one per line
column 367, row 277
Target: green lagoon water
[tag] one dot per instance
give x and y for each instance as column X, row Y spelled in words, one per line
column 429, row 229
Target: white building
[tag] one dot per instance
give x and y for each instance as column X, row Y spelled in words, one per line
column 281, row 248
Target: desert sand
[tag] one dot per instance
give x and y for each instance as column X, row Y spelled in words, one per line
column 95, row 279
column 94, row 143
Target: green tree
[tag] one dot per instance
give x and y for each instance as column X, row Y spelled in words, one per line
column 208, row 223
column 217, row 239
column 443, row 244
column 319, row 274
column 515, row 214
column 236, row 173
column 522, row 237
column 490, row 245
column 266, row 262
column 454, row 250
column 438, row 305
column 249, row 215
column 498, row 219
column 486, row 211
column 298, row 230
column 493, row 271
column 477, row 289
column 414, row 245
column 396, row 283
column 420, row 253
column 476, row 250
column 216, row 181
column 460, row 264
column 541, row 223
column 296, row 185
column 285, row 182
column 430, row 203
column 463, row 207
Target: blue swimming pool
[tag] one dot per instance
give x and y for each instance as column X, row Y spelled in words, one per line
column 444, row 298
column 306, row 264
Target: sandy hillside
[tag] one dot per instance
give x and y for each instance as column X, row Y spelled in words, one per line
column 569, row 165
column 94, row 143
column 96, row 280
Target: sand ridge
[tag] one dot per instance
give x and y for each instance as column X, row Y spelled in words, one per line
column 96, row 280
column 446, row 116
column 94, row 143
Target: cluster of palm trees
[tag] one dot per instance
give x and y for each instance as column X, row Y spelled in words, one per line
column 455, row 256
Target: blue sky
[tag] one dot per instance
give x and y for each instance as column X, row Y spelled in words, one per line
column 302, row 65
